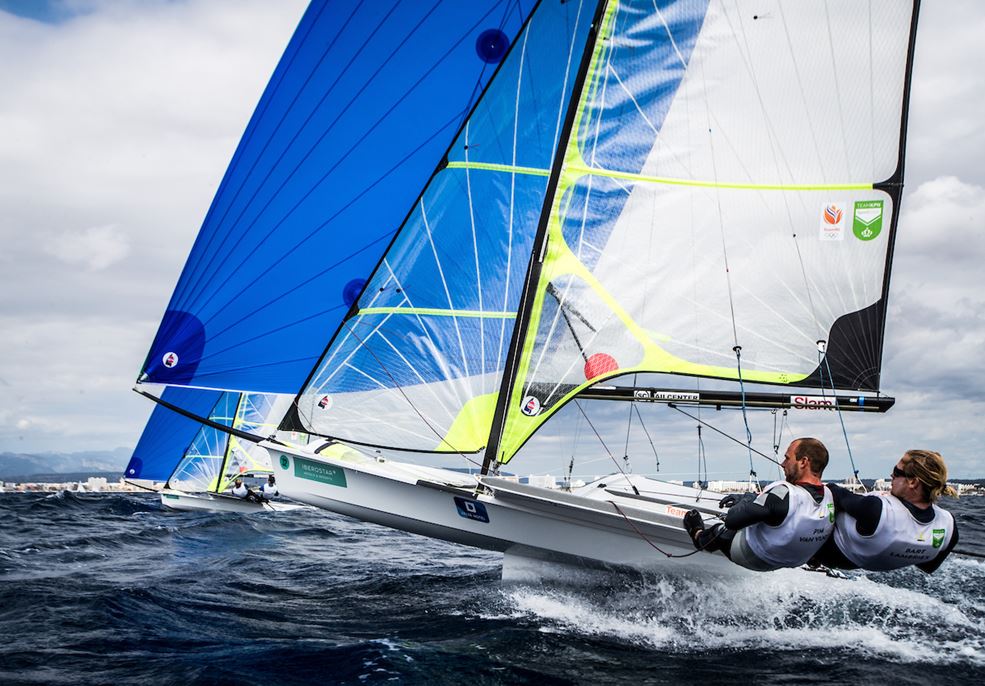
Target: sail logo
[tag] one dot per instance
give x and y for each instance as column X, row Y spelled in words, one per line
column 812, row 402
column 471, row 509
column 530, row 406
column 641, row 395
column 325, row 403
column 832, row 225
column 868, row 219
column 169, row 360
column 938, row 537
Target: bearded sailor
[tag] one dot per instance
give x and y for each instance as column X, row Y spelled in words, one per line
column 880, row 532
column 785, row 525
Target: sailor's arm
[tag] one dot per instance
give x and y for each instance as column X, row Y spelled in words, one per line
column 867, row 510
column 931, row 567
column 770, row 508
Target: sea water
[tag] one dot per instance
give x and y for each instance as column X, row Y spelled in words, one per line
column 110, row 588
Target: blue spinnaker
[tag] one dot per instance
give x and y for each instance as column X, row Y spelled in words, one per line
column 354, row 121
column 168, row 433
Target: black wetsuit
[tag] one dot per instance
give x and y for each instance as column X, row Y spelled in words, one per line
column 867, row 512
column 747, row 512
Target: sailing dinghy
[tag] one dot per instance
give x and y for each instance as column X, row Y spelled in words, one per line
column 444, row 224
column 199, row 463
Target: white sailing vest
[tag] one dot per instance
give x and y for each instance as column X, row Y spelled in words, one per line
column 269, row 489
column 240, row 490
column 899, row 539
column 801, row 534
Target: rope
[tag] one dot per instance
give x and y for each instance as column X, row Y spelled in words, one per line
column 642, row 424
column 658, row 548
column 822, row 354
column 702, row 461
column 606, row 448
column 777, row 436
column 753, row 477
column 763, row 455
column 629, row 425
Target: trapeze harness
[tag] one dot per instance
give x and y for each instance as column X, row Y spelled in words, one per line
column 899, row 539
column 808, row 523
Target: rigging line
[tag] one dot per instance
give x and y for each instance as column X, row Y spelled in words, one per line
column 654, row 545
column 702, row 463
column 645, row 431
column 401, row 390
column 731, row 438
column 823, row 360
column 629, row 426
column 604, row 446
column 745, row 416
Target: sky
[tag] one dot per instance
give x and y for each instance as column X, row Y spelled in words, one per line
column 118, row 118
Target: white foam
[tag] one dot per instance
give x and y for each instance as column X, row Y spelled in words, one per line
column 904, row 616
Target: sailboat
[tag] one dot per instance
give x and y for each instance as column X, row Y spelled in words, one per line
column 445, row 224
column 197, row 463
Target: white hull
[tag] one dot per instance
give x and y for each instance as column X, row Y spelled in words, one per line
column 210, row 502
column 603, row 523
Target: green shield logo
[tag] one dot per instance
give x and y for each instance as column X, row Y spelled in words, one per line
column 868, row 219
column 939, row 537
column 284, row 462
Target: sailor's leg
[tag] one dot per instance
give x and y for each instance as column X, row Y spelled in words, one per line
column 716, row 538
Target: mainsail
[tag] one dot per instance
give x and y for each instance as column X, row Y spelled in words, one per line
column 724, row 205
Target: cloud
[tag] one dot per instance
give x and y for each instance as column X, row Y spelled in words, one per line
column 95, row 248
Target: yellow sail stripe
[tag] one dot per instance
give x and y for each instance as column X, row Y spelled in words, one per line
column 576, row 169
column 508, row 168
column 435, row 312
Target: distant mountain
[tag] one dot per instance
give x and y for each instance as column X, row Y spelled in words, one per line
column 88, row 462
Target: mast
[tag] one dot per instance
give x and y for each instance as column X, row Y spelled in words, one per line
column 539, row 246
column 229, row 444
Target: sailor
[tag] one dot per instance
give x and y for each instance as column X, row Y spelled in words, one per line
column 269, row 490
column 785, row 525
column 879, row 532
column 241, row 491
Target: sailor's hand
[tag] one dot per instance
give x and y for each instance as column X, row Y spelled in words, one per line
column 728, row 501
